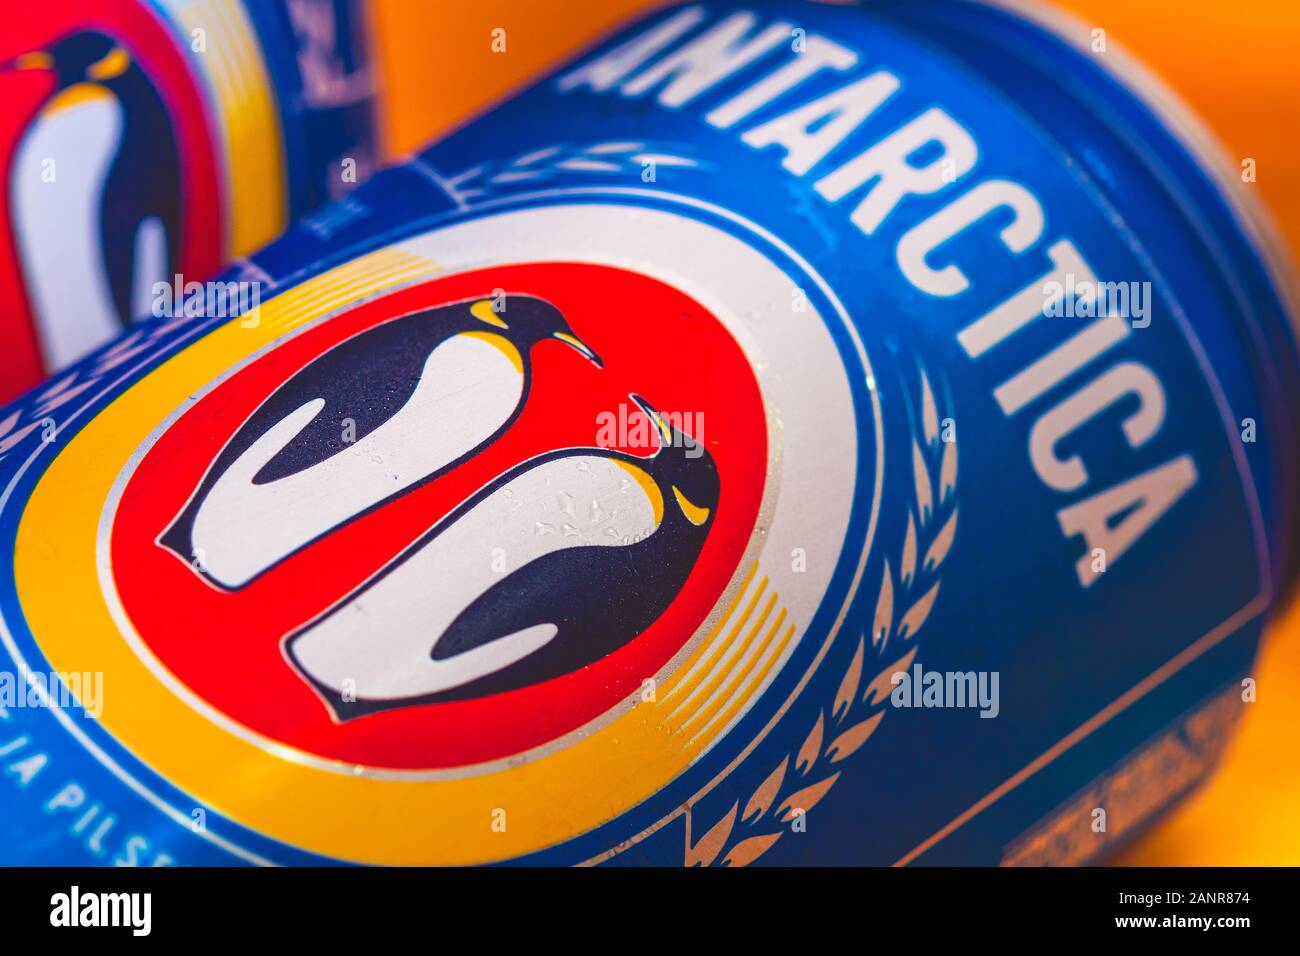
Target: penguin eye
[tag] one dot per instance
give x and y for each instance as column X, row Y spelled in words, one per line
column 114, row 63
column 483, row 311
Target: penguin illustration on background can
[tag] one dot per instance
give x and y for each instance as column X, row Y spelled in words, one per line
column 423, row 392
column 145, row 142
column 444, row 622
column 113, row 215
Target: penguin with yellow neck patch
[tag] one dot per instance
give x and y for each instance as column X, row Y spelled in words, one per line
column 556, row 564
column 114, row 222
column 378, row 414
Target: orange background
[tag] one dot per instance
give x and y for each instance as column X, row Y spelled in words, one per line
column 1235, row 64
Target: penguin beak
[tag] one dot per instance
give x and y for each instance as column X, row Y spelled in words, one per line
column 579, row 346
column 37, row 60
column 665, row 433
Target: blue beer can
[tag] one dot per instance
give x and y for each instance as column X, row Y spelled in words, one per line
column 142, row 140
column 786, row 434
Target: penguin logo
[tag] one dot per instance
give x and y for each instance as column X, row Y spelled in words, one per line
column 393, row 548
column 422, row 393
column 577, row 596
column 414, row 524
column 115, row 216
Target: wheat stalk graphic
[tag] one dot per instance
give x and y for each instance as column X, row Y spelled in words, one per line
column 802, row 778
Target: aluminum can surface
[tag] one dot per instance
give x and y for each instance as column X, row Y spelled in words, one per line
column 786, row 434
column 141, row 140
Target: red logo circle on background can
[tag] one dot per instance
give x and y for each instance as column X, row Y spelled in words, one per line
column 111, row 179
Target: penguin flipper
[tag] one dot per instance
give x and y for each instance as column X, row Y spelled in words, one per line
column 143, row 186
column 599, row 598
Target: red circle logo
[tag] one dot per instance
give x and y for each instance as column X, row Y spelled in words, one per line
column 108, row 162
column 453, row 523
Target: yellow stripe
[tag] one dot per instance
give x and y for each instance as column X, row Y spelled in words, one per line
column 350, row 281
column 253, row 104
column 739, row 677
column 297, row 313
column 724, row 645
column 343, row 276
column 719, row 674
column 669, row 686
column 249, row 123
column 722, row 721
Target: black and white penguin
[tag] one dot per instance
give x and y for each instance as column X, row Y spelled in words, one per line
column 95, row 239
column 556, row 564
column 375, row 416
